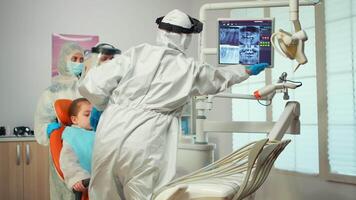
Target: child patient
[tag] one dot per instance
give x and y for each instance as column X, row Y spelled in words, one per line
column 78, row 140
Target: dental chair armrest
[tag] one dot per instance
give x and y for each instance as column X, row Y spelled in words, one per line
column 86, row 182
column 173, row 193
column 78, row 195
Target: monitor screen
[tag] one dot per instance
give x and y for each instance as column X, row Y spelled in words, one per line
column 245, row 42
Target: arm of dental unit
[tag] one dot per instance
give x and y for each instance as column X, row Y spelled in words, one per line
column 288, row 122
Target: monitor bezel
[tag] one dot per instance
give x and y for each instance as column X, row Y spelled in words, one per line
column 243, row 19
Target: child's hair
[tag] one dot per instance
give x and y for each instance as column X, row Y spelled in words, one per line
column 75, row 105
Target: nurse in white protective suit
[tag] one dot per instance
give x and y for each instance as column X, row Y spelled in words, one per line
column 64, row 86
column 142, row 93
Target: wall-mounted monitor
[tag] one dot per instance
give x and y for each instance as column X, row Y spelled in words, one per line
column 245, row 41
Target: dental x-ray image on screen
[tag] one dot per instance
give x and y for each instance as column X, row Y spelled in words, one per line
column 245, row 42
column 249, row 50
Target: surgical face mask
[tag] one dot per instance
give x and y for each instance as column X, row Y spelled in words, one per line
column 75, row 68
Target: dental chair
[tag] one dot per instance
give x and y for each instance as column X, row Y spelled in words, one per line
column 61, row 107
column 233, row 177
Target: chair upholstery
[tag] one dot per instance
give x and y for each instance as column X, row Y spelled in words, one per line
column 234, row 177
column 61, row 107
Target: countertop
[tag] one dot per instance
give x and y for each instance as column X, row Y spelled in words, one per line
column 12, row 138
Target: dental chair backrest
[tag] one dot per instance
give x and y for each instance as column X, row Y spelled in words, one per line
column 61, row 107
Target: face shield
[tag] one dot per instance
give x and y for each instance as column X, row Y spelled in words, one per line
column 103, row 52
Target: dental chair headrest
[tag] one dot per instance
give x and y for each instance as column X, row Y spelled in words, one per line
column 61, row 107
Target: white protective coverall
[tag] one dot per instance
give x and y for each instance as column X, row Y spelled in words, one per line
column 64, row 86
column 142, row 93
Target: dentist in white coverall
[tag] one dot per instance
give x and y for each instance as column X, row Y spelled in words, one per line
column 142, row 93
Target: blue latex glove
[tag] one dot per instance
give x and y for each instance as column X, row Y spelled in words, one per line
column 256, row 68
column 51, row 127
column 94, row 118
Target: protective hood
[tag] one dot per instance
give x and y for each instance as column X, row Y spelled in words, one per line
column 178, row 22
column 67, row 50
